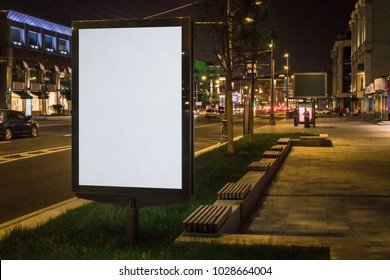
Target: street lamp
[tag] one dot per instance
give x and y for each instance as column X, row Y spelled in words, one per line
column 287, row 85
column 272, row 114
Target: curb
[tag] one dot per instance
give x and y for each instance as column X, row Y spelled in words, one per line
column 41, row 216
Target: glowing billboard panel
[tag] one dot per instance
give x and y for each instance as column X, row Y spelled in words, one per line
column 132, row 112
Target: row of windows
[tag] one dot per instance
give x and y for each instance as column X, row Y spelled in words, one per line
column 19, row 75
column 34, row 40
column 208, row 71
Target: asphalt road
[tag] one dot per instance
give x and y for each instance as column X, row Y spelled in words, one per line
column 36, row 172
column 208, row 132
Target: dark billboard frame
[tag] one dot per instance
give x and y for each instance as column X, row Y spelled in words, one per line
column 311, row 85
column 142, row 196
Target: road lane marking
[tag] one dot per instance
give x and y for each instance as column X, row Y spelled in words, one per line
column 207, row 140
column 31, row 154
column 67, row 135
column 54, row 124
column 207, row 125
column 5, row 142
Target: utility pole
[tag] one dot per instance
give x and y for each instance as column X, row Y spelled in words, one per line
column 287, row 86
column 272, row 113
column 252, row 101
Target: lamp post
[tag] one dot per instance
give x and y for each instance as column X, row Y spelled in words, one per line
column 272, row 114
column 287, row 86
column 211, row 77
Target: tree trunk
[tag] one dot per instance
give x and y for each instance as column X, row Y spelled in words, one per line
column 229, row 112
column 229, row 74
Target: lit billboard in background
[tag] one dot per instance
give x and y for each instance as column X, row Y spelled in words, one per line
column 309, row 106
column 310, row 85
column 132, row 108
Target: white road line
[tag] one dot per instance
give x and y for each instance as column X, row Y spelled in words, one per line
column 31, row 154
column 207, row 125
column 207, row 140
column 5, row 142
column 67, row 135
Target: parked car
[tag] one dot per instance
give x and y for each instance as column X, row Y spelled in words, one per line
column 221, row 110
column 196, row 112
column 211, row 114
column 322, row 111
column 15, row 123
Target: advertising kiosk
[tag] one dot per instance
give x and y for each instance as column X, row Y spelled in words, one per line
column 132, row 134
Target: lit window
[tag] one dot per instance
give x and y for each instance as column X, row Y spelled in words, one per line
column 50, row 43
column 63, row 46
column 17, row 36
column 49, row 77
column 33, row 75
column 34, row 39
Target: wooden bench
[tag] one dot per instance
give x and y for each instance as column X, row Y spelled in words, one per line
column 315, row 137
column 234, row 191
column 259, row 165
column 271, row 154
column 207, row 218
column 278, row 147
column 283, row 141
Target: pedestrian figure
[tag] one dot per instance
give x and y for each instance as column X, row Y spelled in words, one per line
column 306, row 117
column 341, row 111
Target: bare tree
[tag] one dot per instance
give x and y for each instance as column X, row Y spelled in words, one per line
column 252, row 36
column 237, row 28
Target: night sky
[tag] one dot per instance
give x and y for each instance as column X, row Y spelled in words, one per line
column 307, row 28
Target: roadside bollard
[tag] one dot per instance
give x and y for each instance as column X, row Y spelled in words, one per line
column 295, row 114
column 295, row 120
column 224, row 137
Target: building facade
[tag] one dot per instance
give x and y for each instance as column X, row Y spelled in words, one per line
column 341, row 69
column 370, row 56
column 208, row 84
column 35, row 64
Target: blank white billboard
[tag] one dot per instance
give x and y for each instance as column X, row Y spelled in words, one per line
column 130, row 107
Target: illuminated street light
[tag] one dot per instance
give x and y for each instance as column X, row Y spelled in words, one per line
column 287, row 84
column 249, row 20
column 272, row 114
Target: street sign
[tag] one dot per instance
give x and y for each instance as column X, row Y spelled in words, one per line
column 132, row 110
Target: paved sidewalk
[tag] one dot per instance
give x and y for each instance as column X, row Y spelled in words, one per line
column 337, row 197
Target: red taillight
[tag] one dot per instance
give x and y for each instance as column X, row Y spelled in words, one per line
column 1, row 121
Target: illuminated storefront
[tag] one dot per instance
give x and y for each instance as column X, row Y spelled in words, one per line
column 35, row 56
column 377, row 99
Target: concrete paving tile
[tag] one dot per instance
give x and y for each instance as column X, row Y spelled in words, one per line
column 346, row 190
column 340, row 252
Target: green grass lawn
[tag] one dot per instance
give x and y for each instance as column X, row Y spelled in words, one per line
column 97, row 230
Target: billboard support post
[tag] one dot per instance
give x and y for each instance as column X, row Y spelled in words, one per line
column 131, row 222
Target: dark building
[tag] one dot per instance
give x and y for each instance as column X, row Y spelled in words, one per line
column 341, row 81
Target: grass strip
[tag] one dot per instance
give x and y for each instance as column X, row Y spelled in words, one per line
column 97, row 230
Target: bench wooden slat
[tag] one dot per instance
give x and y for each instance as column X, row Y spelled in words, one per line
column 271, row 154
column 261, row 165
column 278, row 147
column 234, row 191
column 207, row 218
